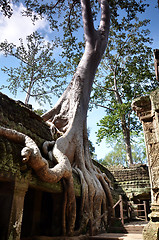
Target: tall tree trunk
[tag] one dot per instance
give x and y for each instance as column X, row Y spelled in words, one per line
column 29, row 88
column 125, row 129
column 126, row 134
column 67, row 120
column 28, row 95
column 68, row 117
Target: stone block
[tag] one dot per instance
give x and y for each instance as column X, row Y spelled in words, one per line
column 151, row 231
column 150, row 137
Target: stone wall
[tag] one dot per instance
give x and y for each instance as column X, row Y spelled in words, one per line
column 28, row 206
column 147, row 109
column 27, row 200
column 133, row 181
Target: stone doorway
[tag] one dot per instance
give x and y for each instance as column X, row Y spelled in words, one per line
column 42, row 215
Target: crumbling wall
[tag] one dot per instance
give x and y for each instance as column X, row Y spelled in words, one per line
column 24, row 198
column 133, row 181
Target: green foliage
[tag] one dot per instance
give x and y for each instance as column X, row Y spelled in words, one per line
column 66, row 21
column 91, row 147
column 72, row 42
column 38, row 73
column 118, row 155
column 111, row 124
column 126, row 72
column 5, row 8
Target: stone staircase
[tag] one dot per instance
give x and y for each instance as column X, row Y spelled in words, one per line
column 132, row 231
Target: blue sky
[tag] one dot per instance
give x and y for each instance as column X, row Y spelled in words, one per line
column 18, row 27
column 151, row 13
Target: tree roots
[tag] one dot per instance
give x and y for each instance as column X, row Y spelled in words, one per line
column 96, row 196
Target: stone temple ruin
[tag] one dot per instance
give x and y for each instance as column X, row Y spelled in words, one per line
column 147, row 109
column 31, row 207
column 28, row 203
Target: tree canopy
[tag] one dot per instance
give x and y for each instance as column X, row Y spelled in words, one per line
column 118, row 155
column 65, row 20
column 126, row 72
column 39, row 74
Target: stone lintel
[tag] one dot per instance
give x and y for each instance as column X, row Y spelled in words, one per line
column 146, row 106
column 142, row 106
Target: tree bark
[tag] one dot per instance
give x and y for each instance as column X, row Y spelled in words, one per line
column 126, row 133
column 125, row 129
column 28, row 93
column 67, row 122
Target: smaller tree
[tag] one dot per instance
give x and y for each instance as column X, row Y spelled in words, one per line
column 118, row 155
column 38, row 73
column 125, row 73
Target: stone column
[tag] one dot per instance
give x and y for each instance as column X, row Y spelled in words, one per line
column 147, row 109
column 16, row 216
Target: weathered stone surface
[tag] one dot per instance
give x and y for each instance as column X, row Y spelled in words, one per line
column 154, row 97
column 151, row 231
column 151, row 133
column 15, row 115
column 26, row 185
column 156, row 62
column 133, row 181
column 142, row 106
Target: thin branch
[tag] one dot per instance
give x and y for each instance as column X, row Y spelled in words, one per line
column 118, row 97
column 109, row 64
column 69, row 18
column 110, row 90
column 99, row 105
column 18, row 57
column 57, row 3
column 39, row 94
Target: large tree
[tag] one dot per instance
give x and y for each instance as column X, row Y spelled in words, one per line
column 68, row 119
column 126, row 72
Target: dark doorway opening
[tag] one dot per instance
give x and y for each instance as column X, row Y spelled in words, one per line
column 42, row 214
column 6, row 197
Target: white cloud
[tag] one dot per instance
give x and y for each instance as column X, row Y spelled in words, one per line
column 19, row 26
